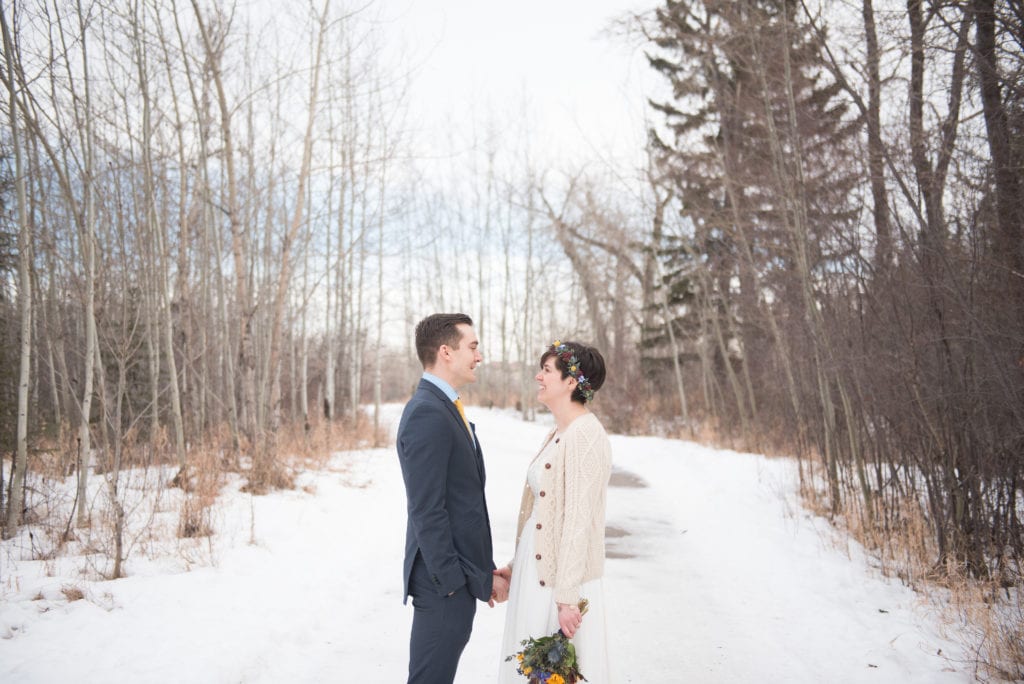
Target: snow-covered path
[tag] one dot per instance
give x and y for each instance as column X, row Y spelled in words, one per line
column 745, row 587
column 715, row 575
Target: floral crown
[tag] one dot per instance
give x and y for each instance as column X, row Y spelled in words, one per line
column 568, row 357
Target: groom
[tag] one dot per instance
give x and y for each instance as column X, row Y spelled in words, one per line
column 448, row 558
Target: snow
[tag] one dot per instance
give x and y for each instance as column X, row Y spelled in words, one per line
column 715, row 575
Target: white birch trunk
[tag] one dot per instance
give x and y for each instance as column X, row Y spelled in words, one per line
column 24, row 297
column 89, row 259
column 378, row 381
column 284, row 276
column 160, row 264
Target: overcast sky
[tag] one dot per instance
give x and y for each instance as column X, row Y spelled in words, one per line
column 580, row 89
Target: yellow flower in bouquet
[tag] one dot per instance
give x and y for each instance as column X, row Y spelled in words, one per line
column 550, row 659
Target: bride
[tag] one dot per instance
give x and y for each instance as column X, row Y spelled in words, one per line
column 559, row 557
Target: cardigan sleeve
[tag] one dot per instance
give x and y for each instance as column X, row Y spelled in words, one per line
column 586, row 475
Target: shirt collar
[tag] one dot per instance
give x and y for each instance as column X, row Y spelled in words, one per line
column 448, row 390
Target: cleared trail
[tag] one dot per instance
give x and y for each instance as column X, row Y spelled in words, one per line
column 714, row 575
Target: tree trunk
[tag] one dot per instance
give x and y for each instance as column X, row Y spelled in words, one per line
column 1008, row 244
column 876, row 153
column 18, row 472
column 284, row 275
column 161, row 260
column 211, row 244
column 378, row 356
column 239, row 238
column 196, row 397
column 788, row 155
column 651, row 274
column 931, row 180
column 88, row 242
column 524, row 349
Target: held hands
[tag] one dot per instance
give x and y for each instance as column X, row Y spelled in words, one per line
column 569, row 618
column 499, row 591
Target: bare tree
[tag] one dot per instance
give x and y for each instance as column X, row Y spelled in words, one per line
column 157, row 229
column 24, row 290
column 213, row 43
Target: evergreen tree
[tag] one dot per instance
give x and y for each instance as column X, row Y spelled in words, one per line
column 730, row 268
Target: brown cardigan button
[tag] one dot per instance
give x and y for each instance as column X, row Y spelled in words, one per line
column 542, row 583
column 538, row 556
column 547, row 466
column 542, row 493
column 538, row 526
column 557, row 440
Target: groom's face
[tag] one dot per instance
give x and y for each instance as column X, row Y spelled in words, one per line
column 463, row 359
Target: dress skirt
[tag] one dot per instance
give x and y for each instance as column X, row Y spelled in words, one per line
column 532, row 612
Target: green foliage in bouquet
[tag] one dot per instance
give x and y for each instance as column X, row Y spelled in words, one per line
column 550, row 659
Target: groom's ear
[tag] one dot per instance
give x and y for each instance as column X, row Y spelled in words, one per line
column 438, row 358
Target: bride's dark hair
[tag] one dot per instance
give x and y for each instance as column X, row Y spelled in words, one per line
column 589, row 361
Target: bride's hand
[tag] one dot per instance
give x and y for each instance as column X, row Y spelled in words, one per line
column 569, row 619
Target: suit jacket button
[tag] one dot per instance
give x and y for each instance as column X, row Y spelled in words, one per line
column 538, row 526
column 542, row 583
column 542, row 493
column 547, row 466
column 538, row 556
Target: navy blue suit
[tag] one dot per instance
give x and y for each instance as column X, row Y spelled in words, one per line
column 448, row 552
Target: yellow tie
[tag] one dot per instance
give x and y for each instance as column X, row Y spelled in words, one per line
column 462, row 412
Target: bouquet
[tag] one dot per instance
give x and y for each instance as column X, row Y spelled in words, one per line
column 550, row 659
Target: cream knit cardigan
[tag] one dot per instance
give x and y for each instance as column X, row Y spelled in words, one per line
column 570, row 508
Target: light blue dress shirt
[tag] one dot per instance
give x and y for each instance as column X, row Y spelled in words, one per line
column 448, row 390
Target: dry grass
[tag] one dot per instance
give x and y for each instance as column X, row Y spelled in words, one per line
column 201, row 480
column 194, row 519
column 150, row 514
column 993, row 619
column 659, row 415
column 53, row 456
column 311, row 445
column 271, row 465
column 987, row 614
column 72, row 593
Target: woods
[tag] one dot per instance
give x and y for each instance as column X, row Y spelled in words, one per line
column 847, row 269
column 867, row 314
column 218, row 228
column 165, row 214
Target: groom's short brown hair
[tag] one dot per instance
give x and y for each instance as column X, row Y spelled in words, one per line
column 438, row 329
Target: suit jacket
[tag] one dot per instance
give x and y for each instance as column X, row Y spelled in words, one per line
column 443, row 469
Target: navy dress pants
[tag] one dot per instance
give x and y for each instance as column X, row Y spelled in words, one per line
column 441, row 626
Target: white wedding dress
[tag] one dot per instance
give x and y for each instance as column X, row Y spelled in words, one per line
column 532, row 611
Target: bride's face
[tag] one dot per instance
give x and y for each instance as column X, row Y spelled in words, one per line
column 551, row 385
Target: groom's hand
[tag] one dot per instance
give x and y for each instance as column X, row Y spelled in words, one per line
column 499, row 589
